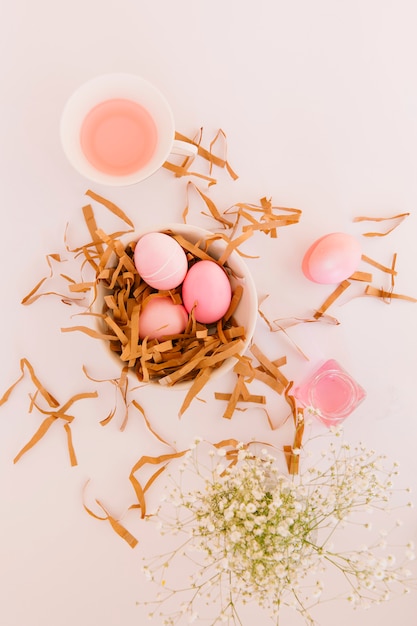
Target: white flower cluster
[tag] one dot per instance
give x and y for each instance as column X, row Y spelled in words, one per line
column 270, row 537
column 255, row 523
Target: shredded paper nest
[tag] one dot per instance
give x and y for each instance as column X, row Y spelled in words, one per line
column 178, row 358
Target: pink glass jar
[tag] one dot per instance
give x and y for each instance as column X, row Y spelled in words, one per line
column 331, row 391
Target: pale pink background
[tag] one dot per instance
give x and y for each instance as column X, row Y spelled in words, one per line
column 318, row 101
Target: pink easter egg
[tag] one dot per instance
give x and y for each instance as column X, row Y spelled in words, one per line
column 160, row 261
column 332, row 258
column 206, row 289
column 161, row 317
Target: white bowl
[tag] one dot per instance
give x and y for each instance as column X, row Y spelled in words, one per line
column 246, row 312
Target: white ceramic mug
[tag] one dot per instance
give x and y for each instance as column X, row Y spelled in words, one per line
column 118, row 129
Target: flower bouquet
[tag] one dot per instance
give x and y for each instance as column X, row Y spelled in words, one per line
column 248, row 531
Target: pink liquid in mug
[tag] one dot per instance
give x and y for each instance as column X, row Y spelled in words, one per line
column 118, row 137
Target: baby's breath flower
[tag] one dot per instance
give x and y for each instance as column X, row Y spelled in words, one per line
column 270, row 537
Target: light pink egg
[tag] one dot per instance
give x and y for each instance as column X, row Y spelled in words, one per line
column 161, row 317
column 160, row 261
column 332, row 258
column 207, row 287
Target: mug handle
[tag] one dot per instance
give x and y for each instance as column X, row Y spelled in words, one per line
column 183, row 148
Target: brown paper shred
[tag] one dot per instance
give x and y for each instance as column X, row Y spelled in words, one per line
column 383, row 268
column 226, row 443
column 296, row 346
column 292, row 452
column 269, row 380
column 245, row 368
column 24, row 363
column 256, row 399
column 109, row 417
column 267, row 372
column 121, row 530
column 140, row 494
column 288, row 322
column 236, row 297
column 195, row 140
column 91, row 223
column 58, row 413
column 293, row 461
column 365, row 277
column 398, row 219
column 153, row 478
column 33, row 295
column 188, row 366
column 194, row 249
column 115, row 524
column 91, row 332
column 146, row 460
column 233, row 245
column 284, row 323
column 180, row 170
column 137, row 406
column 234, row 332
column 394, row 273
column 111, row 207
column 74, row 287
column 223, row 161
column 268, row 221
column 89, row 259
column 387, row 296
column 122, row 387
column 268, row 366
column 333, row 296
column 235, row 396
column 239, row 394
column 213, row 210
column 199, row 381
column 208, row 155
column 134, row 337
column 42, row 430
column 122, row 337
column 32, row 401
column 68, row 279
column 72, row 455
column 220, row 332
column 263, row 316
column 64, row 298
column 82, row 287
column 232, row 454
column 28, row 299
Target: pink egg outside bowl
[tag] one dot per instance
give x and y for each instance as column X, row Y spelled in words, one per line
column 332, row 258
column 245, row 314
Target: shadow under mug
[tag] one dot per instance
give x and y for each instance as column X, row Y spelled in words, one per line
column 118, row 129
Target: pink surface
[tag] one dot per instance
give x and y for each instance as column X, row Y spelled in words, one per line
column 318, row 104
